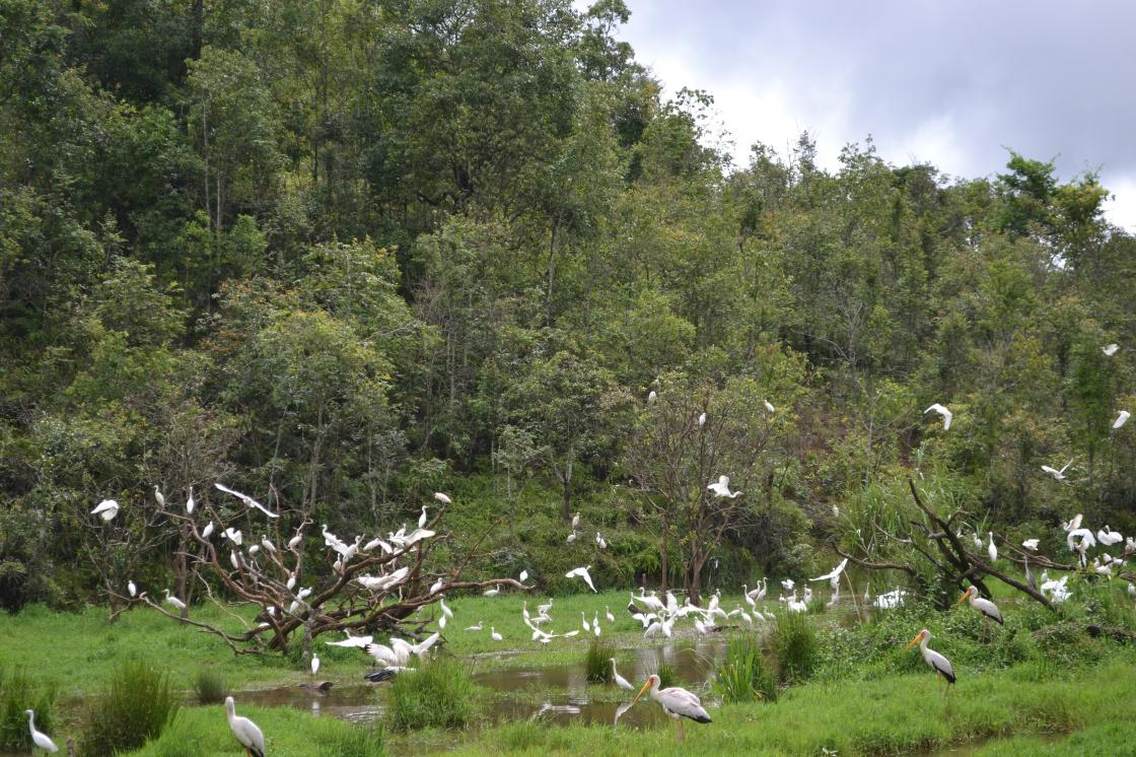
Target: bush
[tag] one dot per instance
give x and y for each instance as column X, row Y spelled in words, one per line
column 743, row 675
column 796, row 648
column 597, row 661
column 17, row 694
column 138, row 706
column 667, row 675
column 209, row 687
column 358, row 742
column 440, row 694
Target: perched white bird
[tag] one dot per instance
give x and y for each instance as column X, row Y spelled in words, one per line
column 1079, row 540
column 159, row 496
column 39, row 738
column 422, row 518
column 1031, row 544
column 1073, row 524
column 991, row 550
column 171, row 599
column 190, row 503
column 619, row 680
column 1058, row 475
column 494, row 635
column 295, row 541
column 245, row 731
column 676, row 702
column 1121, row 419
column 1110, row 349
column 249, row 501
column 130, row 587
column 315, row 664
column 983, row 605
column 575, row 521
column 582, row 573
column 721, row 488
column 524, row 576
column 701, row 423
column 768, row 405
column 941, row 665
column 207, row 531
column 788, row 584
column 651, row 397
column 1108, row 537
column 234, row 535
column 443, row 498
column 941, row 410
column 267, row 544
column 106, row 510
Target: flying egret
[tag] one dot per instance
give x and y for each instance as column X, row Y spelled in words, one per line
column 234, row 535
column 677, row 703
column 768, row 405
column 834, row 573
column 249, row 501
column 702, row 420
column 1121, row 419
column 1073, row 524
column 190, row 503
column 494, row 635
column 130, row 587
column 351, row 641
column 159, row 496
column 207, row 531
column 315, row 664
column 422, row 518
column 1079, row 540
column 583, row 574
column 983, row 605
column 721, row 488
column 171, row 599
column 106, row 510
column 1110, row 349
column 943, row 411
column 1108, row 537
column 246, row 731
column 941, row 665
column 991, row 550
column 39, row 738
column 1031, row 544
column 1058, row 475
column 619, row 680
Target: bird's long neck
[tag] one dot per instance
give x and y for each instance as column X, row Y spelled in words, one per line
column 923, row 648
column 31, row 720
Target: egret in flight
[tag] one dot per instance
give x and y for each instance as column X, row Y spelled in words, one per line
column 1031, row 544
column 246, row 731
column 1110, row 350
column 249, row 501
column 943, row 411
column 983, row 605
column 676, row 702
column 941, row 665
column 721, row 488
column 1058, row 475
column 39, row 738
column 583, row 574
column 106, row 510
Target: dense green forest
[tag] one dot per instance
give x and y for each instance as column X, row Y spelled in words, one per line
column 345, row 253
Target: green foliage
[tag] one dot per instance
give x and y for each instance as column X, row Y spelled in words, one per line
column 597, row 661
column 795, row 646
column 667, row 674
column 138, row 707
column 441, row 695
column 744, row 675
column 360, row 741
column 18, row 693
column 209, row 686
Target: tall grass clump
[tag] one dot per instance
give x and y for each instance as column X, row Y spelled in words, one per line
column 18, row 693
column 667, row 674
column 744, row 675
column 209, row 687
column 597, row 661
column 796, row 647
column 441, row 694
column 139, row 704
column 357, row 742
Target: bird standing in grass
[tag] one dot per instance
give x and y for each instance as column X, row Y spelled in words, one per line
column 676, row 702
column 941, row 665
column 39, row 738
column 245, row 731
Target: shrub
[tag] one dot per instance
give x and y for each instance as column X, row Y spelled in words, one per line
column 743, row 675
column 795, row 646
column 440, row 694
column 138, row 706
column 17, row 694
column 209, row 687
column 597, row 661
column 667, row 675
column 358, row 742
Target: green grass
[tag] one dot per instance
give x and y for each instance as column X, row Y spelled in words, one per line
column 745, row 676
column 20, row 692
column 209, row 687
column 139, row 706
column 441, row 694
column 796, row 647
column 597, row 661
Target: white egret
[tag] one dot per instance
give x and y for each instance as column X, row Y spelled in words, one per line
column 943, row 411
column 234, row 535
column 721, row 488
column 583, row 574
column 600, row 541
column 788, row 584
column 702, row 420
column 267, row 544
column 619, row 680
column 524, row 576
column 315, row 664
column 190, row 503
column 492, row 592
column 1079, row 540
column 991, row 550
column 768, row 405
column 494, row 635
column 1058, row 475
column 575, row 521
column 351, row 641
column 422, row 518
column 159, row 496
column 608, row 615
column 1110, row 349
column 584, row 622
column 171, row 599
column 1031, row 544
column 245, row 731
column 651, row 397
column 596, row 623
column 249, row 501
column 295, row 541
column 443, row 498
column 478, row 627
column 254, row 549
column 106, row 510
column 39, row 738
column 207, row 531
column 1073, row 524
column 834, row 573
column 1121, row 419
column 1108, row 537
column 983, row 605
column 677, row 703
column 940, row 664
column 571, row 538
column 130, row 587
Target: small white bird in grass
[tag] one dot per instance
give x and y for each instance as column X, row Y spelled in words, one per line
column 600, row 541
column 983, row 605
column 582, row 573
column 1058, row 475
column 677, row 703
column 494, row 635
column 575, row 521
column 721, row 488
column 245, row 731
column 159, row 496
column 190, row 503
column 315, row 664
column 207, row 531
column 1121, row 419
column 171, row 599
column 619, row 680
column 492, row 592
column 571, row 538
column 768, row 406
column 596, row 623
column 585, row 624
column 480, row 625
column 702, row 420
column 130, row 587
column 608, row 615
column 39, row 738
column 106, row 510
column 443, row 498
column 1110, row 349
column 991, row 550
column 943, row 411
column 651, row 397
column 941, row 665
column 249, row 501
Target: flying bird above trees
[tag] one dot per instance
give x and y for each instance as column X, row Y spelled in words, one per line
column 1110, row 349
column 583, row 574
column 249, row 501
column 106, row 510
column 721, row 488
column 943, row 411
column 1058, row 475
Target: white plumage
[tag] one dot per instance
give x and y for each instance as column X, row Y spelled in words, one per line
column 106, row 510
column 619, row 680
column 245, row 731
column 943, row 411
column 40, row 739
column 983, row 605
column 721, row 488
column 583, row 574
column 676, row 702
column 249, row 501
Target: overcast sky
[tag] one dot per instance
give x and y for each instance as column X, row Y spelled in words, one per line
column 953, row 82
